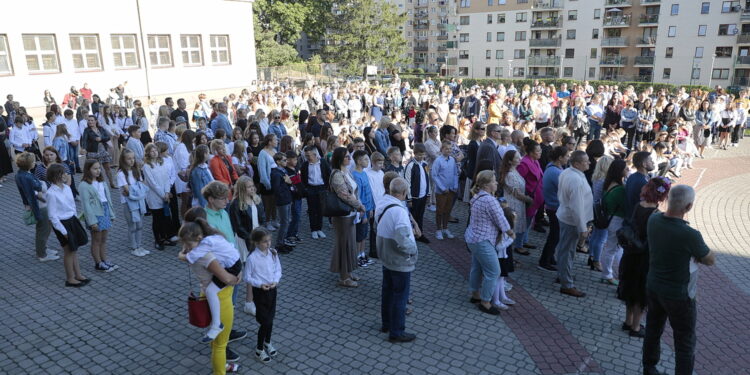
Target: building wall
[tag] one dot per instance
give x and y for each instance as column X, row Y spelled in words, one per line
column 169, row 17
column 584, row 25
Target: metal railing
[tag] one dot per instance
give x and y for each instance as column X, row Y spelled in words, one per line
column 548, row 4
column 743, row 38
column 647, row 40
column 556, row 23
column 648, row 19
column 618, row 3
column 552, row 42
column 644, row 60
column 617, row 21
column 743, row 60
column 614, row 60
column 543, row 60
column 650, row 2
column 615, row 41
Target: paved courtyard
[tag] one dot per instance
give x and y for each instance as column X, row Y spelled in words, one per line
column 134, row 320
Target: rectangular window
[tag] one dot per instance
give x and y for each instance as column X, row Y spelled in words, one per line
column 570, row 53
column 489, row 19
column 192, row 54
column 702, row 30
column 728, row 29
column 125, row 51
column 521, row 17
column 572, row 15
column 159, row 51
column 705, row 7
column 592, row 53
column 463, row 71
column 519, row 54
column 85, row 51
column 672, row 32
column 500, row 36
column 41, row 53
column 568, row 71
column 730, row 6
column 488, row 54
column 464, row 20
column 696, row 74
column 597, row 14
column 669, row 53
column 465, row 3
column 518, row 72
column 498, row 71
column 463, row 37
column 501, row 18
column 220, row 52
column 595, row 34
column 723, row 52
column 500, row 54
column 675, row 9
column 489, row 36
column 489, row 2
column 523, row 1
column 571, row 34
column 520, row 35
column 592, row 72
column 6, row 68
column 667, row 73
column 698, row 52
column 720, row 74
column 463, row 54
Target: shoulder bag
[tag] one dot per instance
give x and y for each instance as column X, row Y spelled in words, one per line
column 199, row 314
column 333, row 206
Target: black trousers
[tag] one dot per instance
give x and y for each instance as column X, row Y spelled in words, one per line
column 174, row 219
column 265, row 311
column 160, row 225
column 314, row 209
column 553, row 237
column 682, row 315
column 629, row 138
column 417, row 208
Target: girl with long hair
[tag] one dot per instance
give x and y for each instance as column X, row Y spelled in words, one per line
column 97, row 212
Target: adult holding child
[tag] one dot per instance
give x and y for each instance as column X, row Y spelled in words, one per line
column 32, row 192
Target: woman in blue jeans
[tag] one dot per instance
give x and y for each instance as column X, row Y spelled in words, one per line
column 485, row 224
column 598, row 236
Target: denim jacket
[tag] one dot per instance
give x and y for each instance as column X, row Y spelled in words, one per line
column 28, row 185
column 200, row 177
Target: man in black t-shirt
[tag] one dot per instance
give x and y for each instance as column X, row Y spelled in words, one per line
column 180, row 112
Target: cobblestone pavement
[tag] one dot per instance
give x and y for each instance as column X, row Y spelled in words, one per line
column 133, row 320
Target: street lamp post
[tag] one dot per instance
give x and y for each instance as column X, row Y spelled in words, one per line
column 711, row 72
column 510, row 69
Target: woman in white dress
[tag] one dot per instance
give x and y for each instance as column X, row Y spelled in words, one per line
column 514, row 188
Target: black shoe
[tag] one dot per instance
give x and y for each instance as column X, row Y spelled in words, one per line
column 384, row 329
column 547, row 267
column 235, row 335
column 406, row 337
column 625, row 327
column 169, row 243
column 159, row 246
column 539, row 228
column 232, row 356
column 78, row 170
column 639, row 333
column 423, row 239
column 544, row 222
column 283, row 249
column 78, row 285
column 474, row 300
column 492, row 310
column 454, row 220
column 529, row 246
column 84, row 281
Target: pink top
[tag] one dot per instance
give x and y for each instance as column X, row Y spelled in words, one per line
column 531, row 172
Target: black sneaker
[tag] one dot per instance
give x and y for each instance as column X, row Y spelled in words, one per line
column 423, row 239
column 159, row 246
column 237, row 335
column 284, row 249
column 232, row 356
column 406, row 337
column 296, row 239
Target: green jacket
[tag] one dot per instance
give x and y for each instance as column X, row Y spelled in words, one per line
column 92, row 206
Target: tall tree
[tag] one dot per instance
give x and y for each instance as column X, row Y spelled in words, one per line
column 365, row 32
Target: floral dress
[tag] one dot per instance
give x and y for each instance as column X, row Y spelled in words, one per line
column 514, row 181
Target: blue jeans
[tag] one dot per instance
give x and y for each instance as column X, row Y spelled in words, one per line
column 484, row 269
column 522, row 238
column 283, row 214
column 594, row 130
column 73, row 154
column 294, row 223
column 394, row 295
column 565, row 254
column 596, row 242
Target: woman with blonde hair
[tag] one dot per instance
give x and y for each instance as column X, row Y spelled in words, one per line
column 156, row 178
column 598, row 236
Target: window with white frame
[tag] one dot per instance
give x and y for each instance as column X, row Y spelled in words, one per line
column 499, row 54
column 159, row 51
column 125, row 51
column 41, row 53
column 6, row 68
column 488, row 54
column 720, row 74
column 567, row 71
column 86, row 53
column 192, row 55
column 463, row 37
column 498, row 71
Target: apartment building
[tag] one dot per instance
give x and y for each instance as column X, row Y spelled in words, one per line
column 428, row 27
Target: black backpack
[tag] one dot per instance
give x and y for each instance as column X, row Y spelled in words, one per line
column 601, row 219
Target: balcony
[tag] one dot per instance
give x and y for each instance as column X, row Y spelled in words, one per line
column 442, row 37
column 419, row 15
column 646, row 41
column 648, row 19
column 441, row 60
column 614, row 61
column 442, row 48
column 555, row 23
column 646, row 3
column 644, row 60
column 419, row 60
column 618, row 3
column 743, row 38
column 745, row 17
column 552, row 42
column 420, row 48
column 421, row 38
column 741, row 81
column 743, row 60
column 532, row 75
column 548, row 4
column 615, row 42
column 421, row 26
column 617, row 21
column 543, row 61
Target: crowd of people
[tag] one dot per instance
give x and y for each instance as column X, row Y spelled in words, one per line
column 587, row 166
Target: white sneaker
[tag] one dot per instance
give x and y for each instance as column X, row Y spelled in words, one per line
column 314, row 235
column 249, row 308
column 321, row 234
column 270, row 349
column 448, row 234
column 439, row 235
column 174, row 239
column 137, row 252
column 432, row 208
column 262, row 356
column 144, row 251
column 501, row 306
column 51, row 252
column 48, row 257
column 508, row 301
column 212, row 333
column 508, row 286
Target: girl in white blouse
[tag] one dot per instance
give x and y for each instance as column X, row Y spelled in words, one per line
column 263, row 273
column 61, row 208
column 156, row 177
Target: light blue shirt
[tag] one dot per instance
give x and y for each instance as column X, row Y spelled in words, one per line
column 222, row 122
column 445, row 174
column 549, row 186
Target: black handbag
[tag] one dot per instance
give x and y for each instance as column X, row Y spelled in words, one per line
column 332, row 205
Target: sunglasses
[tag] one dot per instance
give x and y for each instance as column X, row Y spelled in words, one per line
column 482, row 129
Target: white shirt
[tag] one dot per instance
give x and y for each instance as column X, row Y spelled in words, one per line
column 122, row 181
column 82, row 125
column 157, row 179
column 99, row 186
column 223, row 250
column 19, row 137
column 576, row 200
column 314, row 175
column 31, row 130
column 49, row 133
column 262, row 268
column 60, row 206
column 73, row 129
column 376, row 185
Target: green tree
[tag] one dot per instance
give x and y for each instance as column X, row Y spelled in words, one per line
column 365, row 32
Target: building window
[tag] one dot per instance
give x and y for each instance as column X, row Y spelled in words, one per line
column 519, row 54
column 498, row 71
column 592, row 53
column 220, row 53
column 489, row 19
column 160, row 51
column 571, row 34
column 488, row 54
column 463, row 71
column 705, row 7
column 698, row 52
column 489, row 2
column 670, row 51
column 570, row 53
column 728, row 29
column 191, row 50
column 500, row 36
column 675, row 9
column 6, row 68
column 730, row 6
column 595, row 34
column 723, row 52
column 523, row 1
column 501, row 18
column 597, row 14
column 41, row 53
column 672, row 32
column 464, row 20
column 489, row 36
column 125, row 51
column 463, row 37
column 463, row 54
column 518, row 72
column 702, row 30
column 720, row 74
column 465, row 3
column 521, row 17
column 568, row 71
column 500, row 54
column 520, row 35
column 696, row 74
column 85, row 51
column 572, row 15
column 592, row 72
column 667, row 73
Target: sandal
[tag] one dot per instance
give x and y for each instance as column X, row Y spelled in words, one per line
column 582, row 249
column 348, row 283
